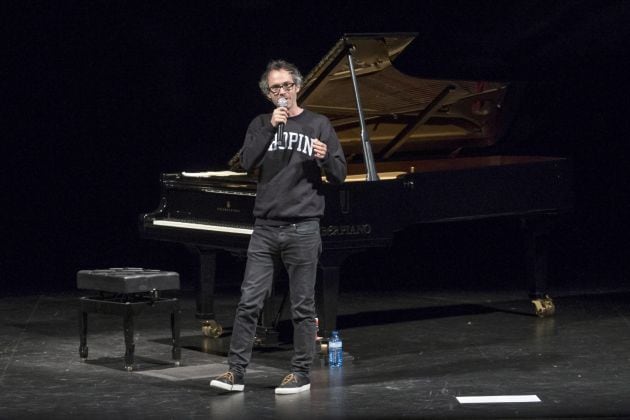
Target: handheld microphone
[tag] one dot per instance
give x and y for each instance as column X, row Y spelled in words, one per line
column 281, row 102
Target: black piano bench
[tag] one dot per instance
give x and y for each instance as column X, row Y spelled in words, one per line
column 128, row 292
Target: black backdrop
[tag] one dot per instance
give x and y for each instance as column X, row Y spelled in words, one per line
column 100, row 97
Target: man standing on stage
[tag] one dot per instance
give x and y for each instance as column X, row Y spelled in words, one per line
column 290, row 148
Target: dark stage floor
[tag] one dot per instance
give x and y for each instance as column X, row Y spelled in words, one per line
column 413, row 354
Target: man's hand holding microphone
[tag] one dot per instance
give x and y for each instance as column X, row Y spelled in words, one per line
column 280, row 116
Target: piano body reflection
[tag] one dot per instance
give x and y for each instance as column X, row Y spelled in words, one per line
column 416, row 154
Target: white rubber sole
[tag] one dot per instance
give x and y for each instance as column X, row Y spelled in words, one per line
column 226, row 387
column 285, row 391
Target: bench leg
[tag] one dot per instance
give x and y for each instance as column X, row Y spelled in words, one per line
column 175, row 329
column 83, row 348
column 129, row 344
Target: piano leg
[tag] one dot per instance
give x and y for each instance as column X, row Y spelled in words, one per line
column 327, row 298
column 536, row 234
column 327, row 291
column 274, row 310
column 205, row 291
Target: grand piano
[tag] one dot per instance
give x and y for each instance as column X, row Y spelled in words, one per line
column 417, row 152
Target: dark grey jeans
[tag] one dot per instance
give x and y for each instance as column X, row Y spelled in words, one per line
column 297, row 246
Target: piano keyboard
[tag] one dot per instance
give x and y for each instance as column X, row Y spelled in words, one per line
column 203, row 226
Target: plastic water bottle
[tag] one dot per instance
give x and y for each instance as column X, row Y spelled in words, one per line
column 335, row 350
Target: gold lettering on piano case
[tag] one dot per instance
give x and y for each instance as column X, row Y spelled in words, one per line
column 228, row 208
column 346, row 230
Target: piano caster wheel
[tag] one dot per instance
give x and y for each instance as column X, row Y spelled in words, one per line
column 211, row 329
column 544, row 306
column 322, row 347
column 83, row 353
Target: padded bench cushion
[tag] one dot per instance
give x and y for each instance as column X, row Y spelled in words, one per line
column 127, row 280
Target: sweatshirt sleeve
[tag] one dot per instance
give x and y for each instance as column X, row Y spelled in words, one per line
column 257, row 139
column 334, row 164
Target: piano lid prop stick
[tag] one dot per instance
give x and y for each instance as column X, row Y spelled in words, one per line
column 372, row 175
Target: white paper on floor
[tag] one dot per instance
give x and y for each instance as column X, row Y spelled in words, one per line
column 489, row 399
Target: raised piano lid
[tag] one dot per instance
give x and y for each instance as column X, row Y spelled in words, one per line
column 406, row 117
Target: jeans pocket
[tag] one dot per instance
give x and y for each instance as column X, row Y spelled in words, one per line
column 307, row 228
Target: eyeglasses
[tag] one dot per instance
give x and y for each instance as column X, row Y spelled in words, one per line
column 275, row 89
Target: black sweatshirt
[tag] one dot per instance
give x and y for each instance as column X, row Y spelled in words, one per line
column 289, row 177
